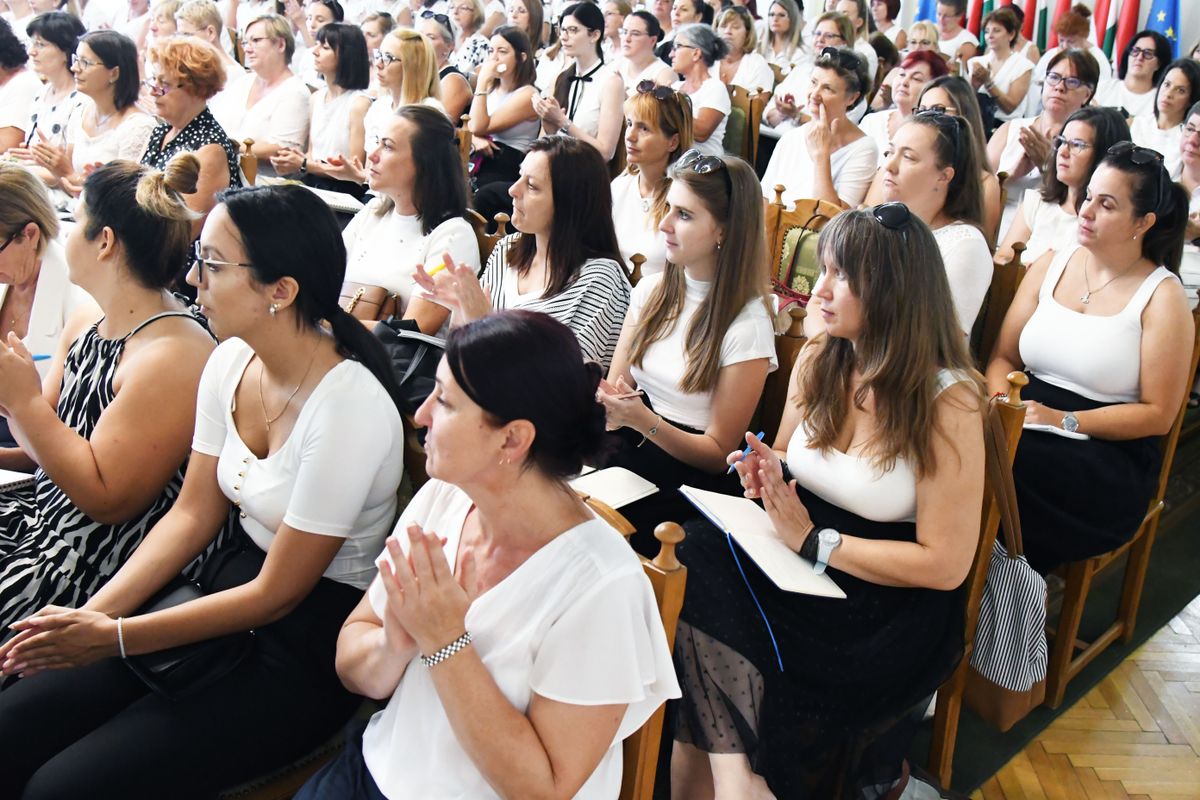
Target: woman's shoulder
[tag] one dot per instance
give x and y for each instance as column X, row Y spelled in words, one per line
column 604, row 269
column 960, row 235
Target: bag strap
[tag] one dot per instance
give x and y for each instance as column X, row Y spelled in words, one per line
column 999, row 473
column 805, row 231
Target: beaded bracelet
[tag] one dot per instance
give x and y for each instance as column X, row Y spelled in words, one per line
column 448, row 651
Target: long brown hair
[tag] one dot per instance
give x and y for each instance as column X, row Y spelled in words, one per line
column 910, row 332
column 673, row 116
column 741, row 276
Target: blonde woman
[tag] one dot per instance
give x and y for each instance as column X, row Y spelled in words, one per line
column 407, row 70
column 472, row 46
column 202, row 19
column 743, row 66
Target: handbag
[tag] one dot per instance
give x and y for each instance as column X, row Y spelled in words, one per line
column 414, row 356
column 799, row 264
column 364, row 301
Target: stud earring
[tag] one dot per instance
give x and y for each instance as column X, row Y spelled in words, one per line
column 274, row 309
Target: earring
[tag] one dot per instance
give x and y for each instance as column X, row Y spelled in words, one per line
column 274, row 309
column 719, row 243
column 1135, row 237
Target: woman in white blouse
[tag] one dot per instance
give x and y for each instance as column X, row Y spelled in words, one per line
column 1178, row 91
column 615, row 12
column 19, row 87
column 743, row 66
column 787, row 107
column 53, row 38
column 1002, row 73
column 1139, row 70
column 885, row 14
column 276, row 109
column 782, row 44
column 513, row 634
column 658, row 129
column 695, row 51
column 640, row 34
column 407, row 70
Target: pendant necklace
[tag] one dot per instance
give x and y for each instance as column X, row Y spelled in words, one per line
column 1087, row 295
column 271, row 420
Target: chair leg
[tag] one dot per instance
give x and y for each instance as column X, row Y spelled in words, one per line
column 1135, row 573
column 1058, row 671
column 945, row 723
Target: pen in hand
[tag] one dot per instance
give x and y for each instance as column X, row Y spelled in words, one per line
column 745, row 452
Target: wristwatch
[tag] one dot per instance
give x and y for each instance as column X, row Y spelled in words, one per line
column 1070, row 422
column 828, row 540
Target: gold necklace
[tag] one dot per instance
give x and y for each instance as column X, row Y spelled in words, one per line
column 1087, row 296
column 263, row 368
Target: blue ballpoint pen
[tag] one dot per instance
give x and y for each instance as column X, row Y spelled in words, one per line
column 41, row 357
column 745, row 452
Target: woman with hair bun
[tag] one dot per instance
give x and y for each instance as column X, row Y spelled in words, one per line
column 539, row 640
column 120, row 392
column 695, row 50
column 298, row 445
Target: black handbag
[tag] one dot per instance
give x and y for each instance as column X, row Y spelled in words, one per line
column 414, row 357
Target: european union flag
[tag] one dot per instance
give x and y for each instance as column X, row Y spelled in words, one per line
column 927, row 11
column 1164, row 18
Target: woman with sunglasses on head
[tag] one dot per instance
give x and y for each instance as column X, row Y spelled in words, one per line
column 916, row 70
column 694, row 52
column 697, row 343
column 782, row 43
column 1143, row 63
column 455, row 85
column 886, row 505
column 787, row 107
column 53, row 38
column 828, row 157
column 299, row 439
column 406, row 67
column 658, row 129
column 1049, row 216
column 1104, row 333
column 743, row 66
column 1178, row 91
column 640, row 34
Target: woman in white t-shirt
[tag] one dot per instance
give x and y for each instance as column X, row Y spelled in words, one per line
column 954, row 41
column 1178, row 91
column 19, row 87
column 782, row 45
column 695, row 51
column 513, row 634
column 640, row 34
column 658, row 129
column 697, row 343
column 1142, row 64
column 417, row 217
column 1002, row 73
column 886, row 14
column 743, row 66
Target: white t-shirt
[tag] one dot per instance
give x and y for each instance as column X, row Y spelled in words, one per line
column 576, row 623
column 950, row 46
column 103, row 14
column 750, row 336
column 17, row 98
column 754, row 73
column 280, row 116
column 711, row 94
column 384, row 251
column 228, row 106
column 636, row 231
column 1050, row 227
column 335, row 475
column 853, row 168
column 1144, row 131
column 1004, row 75
column 968, row 261
column 126, row 141
column 1116, row 94
column 331, row 122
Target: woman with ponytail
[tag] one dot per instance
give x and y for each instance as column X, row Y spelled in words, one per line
column 540, row 643
column 298, row 444
column 107, row 431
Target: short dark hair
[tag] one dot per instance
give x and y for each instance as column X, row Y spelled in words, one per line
column 582, row 227
column 1086, row 68
column 335, row 8
column 116, row 50
column 439, row 185
column 893, row 7
column 353, row 66
column 1152, row 190
column 58, row 28
column 1162, row 51
column 1108, row 127
column 1191, row 71
column 527, row 365
column 12, row 52
column 959, row 6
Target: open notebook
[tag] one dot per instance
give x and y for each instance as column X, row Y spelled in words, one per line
column 1057, row 431
column 751, row 528
column 10, row 480
column 614, row 486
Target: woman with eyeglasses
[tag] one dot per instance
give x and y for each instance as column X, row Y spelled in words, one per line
column 786, row 108
column 19, row 88
column 202, row 19
column 1104, row 333
column 640, row 34
column 828, row 157
column 885, row 13
column 955, row 42
column 120, row 391
column 782, row 43
column 1001, row 75
column 658, row 129
column 695, row 51
column 1073, row 29
column 1143, row 63
column 782, row 690
column 743, row 66
column 454, row 84
column 683, row 12
column 916, row 70
column 1048, row 220
column 406, row 66
column 923, row 35
column 528, row 17
column 53, row 38
column 472, row 46
column 1189, row 174
column 299, row 439
column 160, row 25
column 615, row 12
column 1178, row 91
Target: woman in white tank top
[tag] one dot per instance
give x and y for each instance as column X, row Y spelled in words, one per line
column 1103, row 331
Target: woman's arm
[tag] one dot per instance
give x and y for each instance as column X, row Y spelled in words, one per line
column 357, row 139
column 611, row 118
column 707, row 120
column 516, row 109
column 372, row 657
column 214, row 178
column 995, row 147
column 1006, row 357
column 1015, row 96
column 456, row 96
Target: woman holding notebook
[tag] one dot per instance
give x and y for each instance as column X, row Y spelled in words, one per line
column 883, row 433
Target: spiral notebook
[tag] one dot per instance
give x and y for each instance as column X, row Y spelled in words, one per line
column 10, row 480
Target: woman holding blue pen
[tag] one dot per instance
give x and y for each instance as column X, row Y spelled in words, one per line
column 697, row 341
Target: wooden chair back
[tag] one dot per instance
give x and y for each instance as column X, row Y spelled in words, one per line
column 636, row 262
column 487, row 241
column 239, row 52
column 781, row 220
column 1006, row 278
column 993, row 234
column 777, row 71
column 247, row 163
column 745, row 118
column 1002, row 177
column 463, row 134
column 775, row 392
column 1010, row 412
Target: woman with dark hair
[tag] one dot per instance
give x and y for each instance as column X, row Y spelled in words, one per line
column 882, row 431
column 455, row 85
column 418, row 214
column 886, row 14
column 1103, row 331
column 1143, row 63
column 528, row 17
column 587, row 97
column 509, row 590
column 53, row 37
column 564, row 259
column 640, row 34
column 694, row 52
column 120, row 391
column 307, row 18
column 19, row 88
column 338, row 112
column 1002, row 75
column 1073, row 29
column 787, row 108
column 916, row 70
column 298, row 439
column 1049, row 216
column 1177, row 92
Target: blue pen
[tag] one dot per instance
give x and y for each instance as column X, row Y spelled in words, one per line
column 745, row 452
column 41, row 357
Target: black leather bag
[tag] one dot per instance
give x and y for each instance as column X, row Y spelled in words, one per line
column 415, row 358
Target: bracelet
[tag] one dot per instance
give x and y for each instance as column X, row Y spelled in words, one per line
column 808, row 550
column 448, row 651
column 481, row 94
column 653, row 431
column 304, row 165
column 121, row 637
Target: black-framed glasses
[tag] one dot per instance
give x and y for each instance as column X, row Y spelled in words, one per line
column 1078, row 146
column 1144, row 156
column 659, row 91
column 1071, row 82
column 1148, row 53
column 701, row 164
column 682, row 46
column 946, row 122
column 894, row 216
column 936, row 108
column 204, row 262
column 386, row 59
column 12, row 237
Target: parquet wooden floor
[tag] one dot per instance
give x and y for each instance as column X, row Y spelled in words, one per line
column 1135, row 735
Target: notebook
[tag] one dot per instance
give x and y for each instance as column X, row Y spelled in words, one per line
column 751, row 528
column 10, row 480
column 1066, row 434
column 338, row 201
column 614, row 486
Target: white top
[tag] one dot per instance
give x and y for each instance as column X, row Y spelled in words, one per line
column 280, row 117
column 1116, row 94
column 893, row 32
column 864, row 49
column 583, row 98
column 331, row 122
column 546, row 72
column 103, row 14
column 968, row 261
column 1144, row 131
column 1050, row 227
column 1034, row 106
column 875, row 126
column 1009, row 158
column 1003, row 75
column 631, row 78
column 17, row 98
column 634, row 222
column 54, row 298
column 127, row 141
column 382, row 111
column 950, row 46
column 576, row 623
column 53, row 121
column 754, row 73
column 518, row 136
column 711, row 94
column 851, row 480
column 750, row 336
column 19, row 25
column 335, row 475
column 795, row 83
column 228, row 105
column 384, row 251
column 853, row 168
column 1099, row 357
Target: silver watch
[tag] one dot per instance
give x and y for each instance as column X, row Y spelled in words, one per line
column 1070, row 422
column 828, row 540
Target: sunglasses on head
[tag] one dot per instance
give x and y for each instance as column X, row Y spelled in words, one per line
column 945, row 121
column 440, row 19
column 701, row 164
column 845, row 57
column 659, row 91
column 1142, row 156
column 894, row 216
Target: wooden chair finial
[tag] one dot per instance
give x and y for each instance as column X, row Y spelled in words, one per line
column 501, row 225
column 795, row 328
column 1016, row 382
column 779, row 190
column 635, row 273
column 668, row 534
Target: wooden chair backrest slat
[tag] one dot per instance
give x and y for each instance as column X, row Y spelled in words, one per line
column 487, row 241
column 1006, row 279
column 463, row 134
column 247, row 163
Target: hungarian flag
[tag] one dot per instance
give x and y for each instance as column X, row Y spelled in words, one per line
column 1117, row 35
column 1047, row 28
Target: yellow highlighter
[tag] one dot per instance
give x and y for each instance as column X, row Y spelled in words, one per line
column 435, row 270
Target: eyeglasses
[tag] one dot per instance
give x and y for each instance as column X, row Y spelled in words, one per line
column 922, row 43
column 81, row 62
column 821, row 37
column 158, row 88
column 256, row 40
column 380, row 57
column 13, row 236
column 1054, row 79
column 1147, row 53
column 682, row 46
column 701, row 164
column 1191, row 130
column 1143, row 156
column 944, row 122
column 572, row 30
column 206, row 263
column 632, row 34
column 936, row 108
column 894, row 216
column 659, row 91
column 1078, row 146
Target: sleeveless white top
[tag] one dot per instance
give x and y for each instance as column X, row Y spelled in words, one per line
column 851, row 480
column 583, row 97
column 1009, row 158
column 519, row 136
column 1098, row 357
column 331, row 123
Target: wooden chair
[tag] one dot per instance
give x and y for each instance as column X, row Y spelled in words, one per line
column 239, row 52
column 787, row 349
column 780, row 220
column 745, row 117
column 1010, row 412
column 636, row 262
column 777, row 71
column 1064, row 664
column 414, row 454
column 1005, row 280
column 463, row 134
column 487, row 241
column 247, row 163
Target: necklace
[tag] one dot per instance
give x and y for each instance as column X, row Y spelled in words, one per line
column 269, row 419
column 1087, row 296
column 101, row 121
